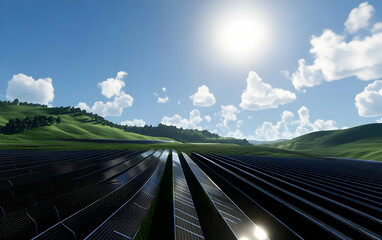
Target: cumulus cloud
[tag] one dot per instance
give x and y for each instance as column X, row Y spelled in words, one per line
column 260, row 95
column 135, row 122
column 379, row 120
column 83, row 106
column 207, row 118
column 236, row 134
column 335, row 58
column 368, row 102
column 289, row 127
column 120, row 101
column 26, row 89
column 203, row 97
column 180, row 122
column 112, row 86
column 359, row 17
column 377, row 27
column 160, row 99
column 229, row 115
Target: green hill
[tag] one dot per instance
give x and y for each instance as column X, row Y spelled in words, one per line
column 73, row 125
column 362, row 142
column 20, row 122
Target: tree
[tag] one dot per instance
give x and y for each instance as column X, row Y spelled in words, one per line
column 15, row 102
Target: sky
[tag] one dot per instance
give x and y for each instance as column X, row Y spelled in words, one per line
column 261, row 70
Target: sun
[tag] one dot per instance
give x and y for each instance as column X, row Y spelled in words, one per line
column 240, row 35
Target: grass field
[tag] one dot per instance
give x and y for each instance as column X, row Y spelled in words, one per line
column 180, row 147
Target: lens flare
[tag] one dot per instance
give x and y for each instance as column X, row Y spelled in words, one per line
column 260, row 233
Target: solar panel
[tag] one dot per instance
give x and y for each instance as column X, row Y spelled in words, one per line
column 186, row 221
column 239, row 223
column 80, row 203
column 124, row 223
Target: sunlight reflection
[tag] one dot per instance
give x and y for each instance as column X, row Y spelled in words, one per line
column 260, row 233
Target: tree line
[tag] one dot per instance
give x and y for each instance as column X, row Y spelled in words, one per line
column 19, row 125
column 17, row 102
column 183, row 135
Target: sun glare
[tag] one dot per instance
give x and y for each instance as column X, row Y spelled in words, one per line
column 240, row 35
column 260, row 233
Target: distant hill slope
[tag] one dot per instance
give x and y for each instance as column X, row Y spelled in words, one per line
column 185, row 135
column 256, row 142
column 73, row 125
column 362, row 142
column 78, row 124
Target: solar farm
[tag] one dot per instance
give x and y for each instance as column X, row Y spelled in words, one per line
column 121, row 194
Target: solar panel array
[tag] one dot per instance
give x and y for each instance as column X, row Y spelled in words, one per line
column 126, row 220
column 107, row 195
column 186, row 222
column 239, row 223
column 334, row 199
column 72, row 192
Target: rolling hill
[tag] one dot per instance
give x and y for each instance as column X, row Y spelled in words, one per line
column 72, row 126
column 20, row 122
column 363, row 142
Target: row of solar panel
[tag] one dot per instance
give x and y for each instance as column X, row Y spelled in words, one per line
column 294, row 198
column 72, row 202
column 186, row 222
column 102, row 195
column 106, row 195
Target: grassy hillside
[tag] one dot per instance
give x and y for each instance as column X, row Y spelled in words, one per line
column 80, row 126
column 26, row 120
column 72, row 126
column 362, row 142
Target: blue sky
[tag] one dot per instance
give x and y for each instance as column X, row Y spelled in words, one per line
column 63, row 53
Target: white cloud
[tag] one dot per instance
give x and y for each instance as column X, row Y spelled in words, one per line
column 207, row 118
column 26, row 89
column 112, row 86
column 335, row 58
column 260, row 95
column 359, row 17
column 135, row 122
column 111, row 108
column 178, row 121
column 228, row 113
column 369, row 101
column 178, row 102
column 203, row 97
column 377, row 27
column 379, row 120
column 124, row 100
column 236, row 134
column 162, row 100
column 164, row 89
column 306, row 76
column 83, row 106
column 283, row 129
